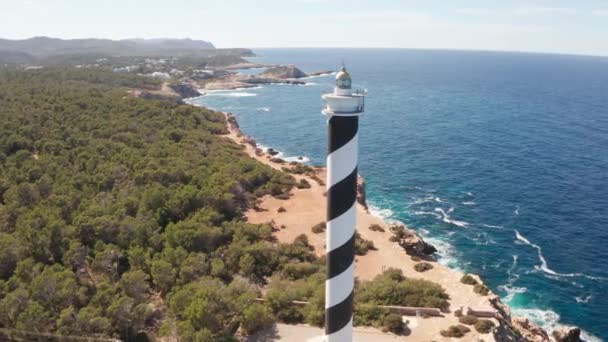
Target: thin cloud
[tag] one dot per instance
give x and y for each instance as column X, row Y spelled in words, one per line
column 545, row 11
column 476, row 11
column 600, row 13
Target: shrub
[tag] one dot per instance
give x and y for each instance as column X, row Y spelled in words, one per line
column 277, row 160
column 393, row 239
column 376, row 228
column 255, row 317
column 455, row 331
column 468, row 320
column 294, row 271
column 484, row 326
column 318, row 180
column 281, row 210
column 468, row 279
column 283, row 196
column 391, row 288
column 393, row 323
column 416, row 259
column 362, row 245
column 319, row 228
column 423, row 266
column 481, row 289
column 303, row 184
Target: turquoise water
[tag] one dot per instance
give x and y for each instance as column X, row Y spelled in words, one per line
column 499, row 159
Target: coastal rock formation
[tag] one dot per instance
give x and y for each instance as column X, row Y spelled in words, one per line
column 529, row 330
column 567, row 334
column 283, row 71
column 361, row 192
column 185, row 90
column 411, row 242
column 320, row 73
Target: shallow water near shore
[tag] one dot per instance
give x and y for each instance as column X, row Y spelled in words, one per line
column 499, row 159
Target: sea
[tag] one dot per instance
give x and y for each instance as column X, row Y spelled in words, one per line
column 498, row 159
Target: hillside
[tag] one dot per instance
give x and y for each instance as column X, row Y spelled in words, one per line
column 45, row 46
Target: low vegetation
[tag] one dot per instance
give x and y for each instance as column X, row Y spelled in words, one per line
column 319, row 228
column 303, row 184
column 376, row 228
column 456, row 331
column 468, row 279
column 468, row 320
column 484, row 326
column 362, row 246
column 481, row 289
column 422, row 267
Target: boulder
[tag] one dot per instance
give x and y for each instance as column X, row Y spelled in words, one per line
column 567, row 334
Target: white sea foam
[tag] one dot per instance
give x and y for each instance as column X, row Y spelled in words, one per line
column 583, row 299
column 445, row 251
column 516, row 212
column 427, row 213
column 543, row 262
column 468, row 203
column 437, row 199
column 446, row 218
column 232, row 94
column 492, row 226
column 549, row 321
column 263, row 109
column 281, row 155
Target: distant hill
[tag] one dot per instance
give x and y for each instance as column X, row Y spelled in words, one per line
column 45, row 46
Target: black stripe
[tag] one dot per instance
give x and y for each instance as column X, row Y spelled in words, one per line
column 339, row 259
column 339, row 315
column 342, row 196
column 342, row 129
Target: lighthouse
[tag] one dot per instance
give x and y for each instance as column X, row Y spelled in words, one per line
column 342, row 108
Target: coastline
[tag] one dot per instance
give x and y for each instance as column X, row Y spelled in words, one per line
column 305, row 208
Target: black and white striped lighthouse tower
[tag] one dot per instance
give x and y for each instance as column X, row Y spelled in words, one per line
column 342, row 108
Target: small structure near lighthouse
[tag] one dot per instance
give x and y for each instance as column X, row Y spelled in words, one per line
column 342, row 108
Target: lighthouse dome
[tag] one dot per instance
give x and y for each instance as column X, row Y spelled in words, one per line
column 343, row 80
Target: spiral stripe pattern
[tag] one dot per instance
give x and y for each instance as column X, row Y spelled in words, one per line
column 341, row 219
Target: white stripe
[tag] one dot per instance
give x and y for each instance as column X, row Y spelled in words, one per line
column 343, row 335
column 340, row 229
column 339, row 287
column 342, row 161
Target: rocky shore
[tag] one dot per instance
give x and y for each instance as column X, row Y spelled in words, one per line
column 305, row 208
column 282, row 74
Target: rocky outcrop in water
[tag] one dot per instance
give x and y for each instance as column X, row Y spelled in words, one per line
column 567, row 334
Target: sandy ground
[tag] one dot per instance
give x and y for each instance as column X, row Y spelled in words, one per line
column 306, row 207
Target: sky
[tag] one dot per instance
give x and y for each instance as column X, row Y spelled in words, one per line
column 560, row 26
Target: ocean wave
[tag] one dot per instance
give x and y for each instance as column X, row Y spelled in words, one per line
column 231, row 94
column 516, row 211
column 446, row 218
column 263, row 109
column 583, row 299
column 431, row 213
column 544, row 267
column 468, row 203
column 281, row 155
column 549, row 321
column 445, row 251
column 492, row 226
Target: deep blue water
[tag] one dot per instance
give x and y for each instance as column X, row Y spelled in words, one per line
column 500, row 159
